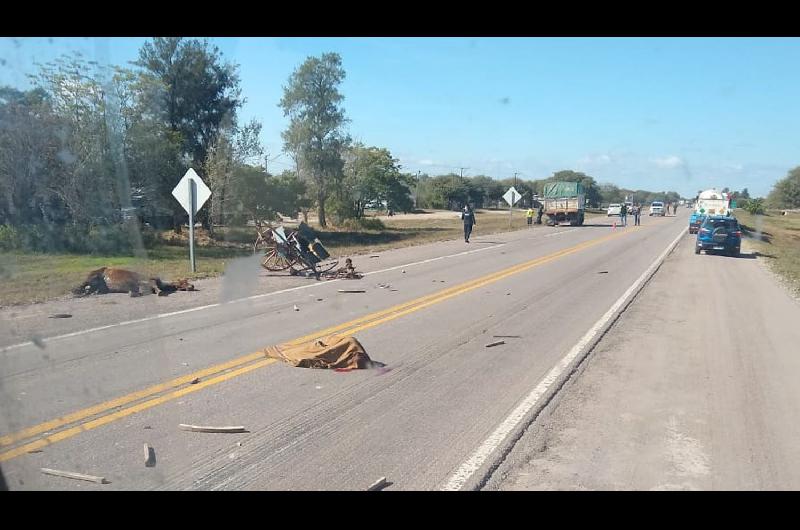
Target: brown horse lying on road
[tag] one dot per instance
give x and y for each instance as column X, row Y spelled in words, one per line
column 113, row 280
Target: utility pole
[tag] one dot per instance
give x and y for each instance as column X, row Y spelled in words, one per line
column 416, row 191
column 462, row 175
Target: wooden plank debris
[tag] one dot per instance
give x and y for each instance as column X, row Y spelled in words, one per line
column 76, row 476
column 201, row 428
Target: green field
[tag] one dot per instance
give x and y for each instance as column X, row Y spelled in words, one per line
column 777, row 239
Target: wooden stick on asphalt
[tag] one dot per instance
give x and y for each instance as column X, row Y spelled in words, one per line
column 76, row 476
column 199, row 428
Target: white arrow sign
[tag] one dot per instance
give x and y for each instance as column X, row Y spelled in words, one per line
column 512, row 196
column 183, row 192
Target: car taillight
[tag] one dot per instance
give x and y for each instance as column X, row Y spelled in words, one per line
column 737, row 234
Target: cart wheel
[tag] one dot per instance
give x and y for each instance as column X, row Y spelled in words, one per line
column 274, row 261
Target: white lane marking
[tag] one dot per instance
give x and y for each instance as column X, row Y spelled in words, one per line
column 254, row 297
column 477, row 459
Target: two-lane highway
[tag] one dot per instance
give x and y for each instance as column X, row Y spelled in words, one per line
column 89, row 399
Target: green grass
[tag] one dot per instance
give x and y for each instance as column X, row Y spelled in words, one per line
column 777, row 239
column 29, row 277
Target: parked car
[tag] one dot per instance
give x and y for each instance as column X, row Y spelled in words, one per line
column 657, row 208
column 695, row 220
column 614, row 209
column 719, row 233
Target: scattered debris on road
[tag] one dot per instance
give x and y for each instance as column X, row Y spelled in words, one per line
column 194, row 381
column 352, row 291
column 296, row 308
column 147, row 427
column 375, row 256
column 200, row 428
column 149, row 456
column 507, row 336
column 60, row 315
column 320, row 299
column 496, row 343
column 603, row 272
column 403, row 271
column 34, row 451
column 348, row 272
column 378, row 484
column 76, row 476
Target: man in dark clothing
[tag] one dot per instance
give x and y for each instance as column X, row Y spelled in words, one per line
column 637, row 213
column 539, row 214
column 468, row 216
column 623, row 214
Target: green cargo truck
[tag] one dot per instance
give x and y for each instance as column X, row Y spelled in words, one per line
column 564, row 202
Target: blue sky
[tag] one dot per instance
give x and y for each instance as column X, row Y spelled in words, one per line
column 652, row 113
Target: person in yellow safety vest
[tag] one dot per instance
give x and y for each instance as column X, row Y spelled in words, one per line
column 529, row 214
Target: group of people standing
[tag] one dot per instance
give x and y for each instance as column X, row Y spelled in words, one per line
column 636, row 212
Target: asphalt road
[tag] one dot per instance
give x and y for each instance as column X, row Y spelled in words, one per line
column 694, row 388
column 86, row 400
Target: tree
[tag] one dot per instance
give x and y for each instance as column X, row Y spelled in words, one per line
column 590, row 187
column 372, row 175
column 312, row 102
column 786, row 192
column 195, row 94
column 262, row 196
column 90, row 178
column 29, row 147
column 755, row 206
column 233, row 149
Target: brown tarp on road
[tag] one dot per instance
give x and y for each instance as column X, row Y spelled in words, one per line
column 335, row 352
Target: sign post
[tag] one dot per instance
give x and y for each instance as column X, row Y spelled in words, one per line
column 511, row 196
column 192, row 193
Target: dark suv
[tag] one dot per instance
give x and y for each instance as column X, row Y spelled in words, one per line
column 719, row 233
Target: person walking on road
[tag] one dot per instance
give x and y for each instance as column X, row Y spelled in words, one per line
column 623, row 214
column 637, row 214
column 675, row 208
column 539, row 214
column 529, row 215
column 468, row 216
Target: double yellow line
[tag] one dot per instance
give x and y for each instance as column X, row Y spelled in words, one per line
column 138, row 401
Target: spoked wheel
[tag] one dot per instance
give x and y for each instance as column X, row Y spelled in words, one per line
column 274, row 260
